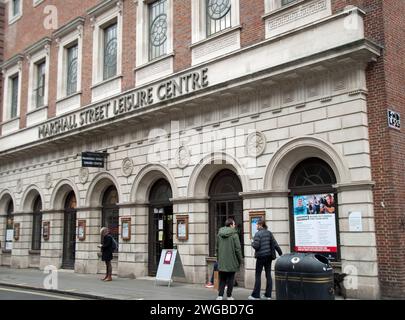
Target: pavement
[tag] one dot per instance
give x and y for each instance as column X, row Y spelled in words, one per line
column 90, row 287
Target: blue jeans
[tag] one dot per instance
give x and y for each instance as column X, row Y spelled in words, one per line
column 263, row 262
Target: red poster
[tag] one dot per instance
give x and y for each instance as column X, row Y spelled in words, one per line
column 168, row 257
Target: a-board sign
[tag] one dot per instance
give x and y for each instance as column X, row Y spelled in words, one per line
column 93, row 159
column 170, row 266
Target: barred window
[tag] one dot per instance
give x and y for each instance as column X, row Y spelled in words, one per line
column 14, row 96
column 40, row 85
column 218, row 15
column 72, row 56
column 37, row 224
column 158, row 28
column 110, row 51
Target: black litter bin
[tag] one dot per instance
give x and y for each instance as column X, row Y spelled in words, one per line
column 304, row 276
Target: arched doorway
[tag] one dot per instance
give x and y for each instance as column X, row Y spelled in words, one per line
column 313, row 209
column 37, row 224
column 69, row 232
column 110, row 213
column 160, row 223
column 9, row 226
column 225, row 202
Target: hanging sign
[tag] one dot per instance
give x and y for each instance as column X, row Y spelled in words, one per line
column 170, row 265
column 93, row 159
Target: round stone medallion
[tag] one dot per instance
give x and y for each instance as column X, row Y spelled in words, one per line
column 255, row 144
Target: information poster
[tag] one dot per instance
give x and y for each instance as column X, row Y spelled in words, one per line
column 9, row 234
column 315, row 224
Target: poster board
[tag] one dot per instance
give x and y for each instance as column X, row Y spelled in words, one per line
column 46, row 230
column 81, row 230
column 182, row 228
column 170, row 266
column 126, row 228
column 315, row 224
column 254, row 217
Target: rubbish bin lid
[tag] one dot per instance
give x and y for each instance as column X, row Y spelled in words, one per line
column 303, row 263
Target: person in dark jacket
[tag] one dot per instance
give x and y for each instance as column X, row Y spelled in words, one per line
column 265, row 246
column 107, row 252
column 229, row 253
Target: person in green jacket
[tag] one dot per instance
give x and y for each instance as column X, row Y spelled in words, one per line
column 229, row 255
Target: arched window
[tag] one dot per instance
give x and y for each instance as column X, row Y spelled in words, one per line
column 110, row 215
column 160, row 222
column 69, row 232
column 9, row 226
column 225, row 203
column 37, row 224
column 313, row 209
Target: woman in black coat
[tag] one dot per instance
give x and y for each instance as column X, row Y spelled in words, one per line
column 107, row 252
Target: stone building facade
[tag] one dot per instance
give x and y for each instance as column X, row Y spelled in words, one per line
column 214, row 114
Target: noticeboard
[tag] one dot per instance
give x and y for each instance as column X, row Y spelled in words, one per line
column 170, row 266
column 93, row 159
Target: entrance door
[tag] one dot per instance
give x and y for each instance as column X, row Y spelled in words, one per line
column 69, row 233
column 160, row 223
column 225, row 203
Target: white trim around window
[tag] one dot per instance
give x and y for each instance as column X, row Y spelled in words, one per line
column 36, row 2
column 11, row 123
column 148, row 70
column 101, row 22
column 63, row 104
column 199, row 19
column 102, row 88
column 34, row 61
column 12, row 17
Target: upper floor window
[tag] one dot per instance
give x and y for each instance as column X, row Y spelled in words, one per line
column 218, row 15
column 14, row 97
column 14, row 10
column 39, row 91
column 158, row 29
column 16, row 7
column 71, row 69
column 285, row 2
column 110, row 51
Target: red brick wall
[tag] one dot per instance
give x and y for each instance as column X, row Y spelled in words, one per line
column 251, row 13
column 385, row 24
column 182, row 34
column 2, row 7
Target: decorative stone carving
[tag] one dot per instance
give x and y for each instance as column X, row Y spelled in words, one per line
column 83, row 175
column 48, row 181
column 19, row 186
column 255, row 144
column 183, row 157
column 127, row 167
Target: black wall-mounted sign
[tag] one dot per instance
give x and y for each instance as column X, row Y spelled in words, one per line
column 394, row 120
column 93, row 159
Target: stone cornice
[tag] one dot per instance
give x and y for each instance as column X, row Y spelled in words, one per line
column 357, row 185
column 190, row 200
column 264, row 193
column 103, row 7
column 69, row 27
column 37, row 46
column 12, row 61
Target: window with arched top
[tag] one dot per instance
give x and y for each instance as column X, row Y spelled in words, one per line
column 36, row 224
column 314, row 209
column 110, row 213
column 9, row 226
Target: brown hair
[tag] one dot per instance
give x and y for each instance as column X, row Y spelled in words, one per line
column 229, row 222
column 262, row 223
